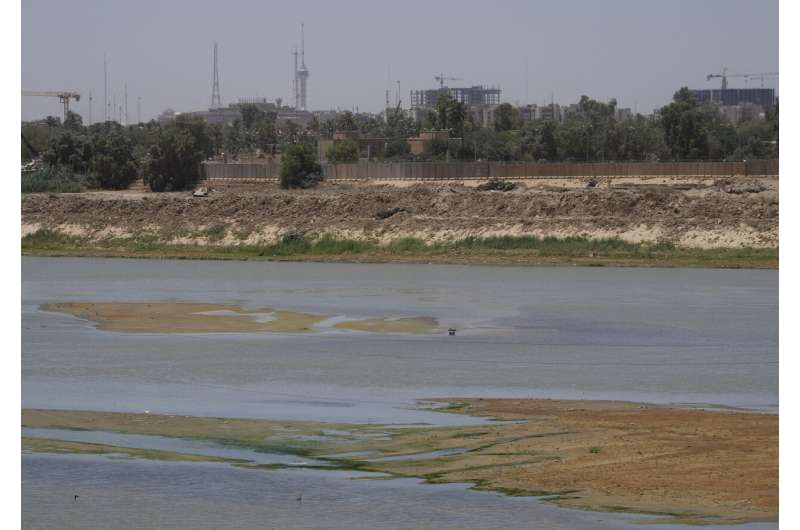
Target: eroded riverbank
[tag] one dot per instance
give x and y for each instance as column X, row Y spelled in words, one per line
column 707, row 224
column 696, row 466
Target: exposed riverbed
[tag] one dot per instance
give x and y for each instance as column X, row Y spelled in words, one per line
column 651, row 335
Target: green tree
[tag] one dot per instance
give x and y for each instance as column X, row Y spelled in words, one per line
column 69, row 149
column 506, row 118
column 772, row 119
column 234, row 140
column 250, row 115
column 755, row 140
column 548, row 146
column 327, row 128
column 174, row 160
column 266, row 135
column 642, row 139
column 397, row 148
column 299, row 167
column 686, row 127
column 449, row 114
column 114, row 163
column 345, row 121
column 38, row 135
column 73, row 121
column 343, row 151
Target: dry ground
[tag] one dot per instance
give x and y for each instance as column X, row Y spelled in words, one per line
column 702, row 213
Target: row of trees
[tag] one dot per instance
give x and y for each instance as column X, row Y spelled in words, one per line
column 681, row 130
column 111, row 156
column 167, row 158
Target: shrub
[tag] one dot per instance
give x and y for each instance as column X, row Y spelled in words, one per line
column 299, row 167
column 342, row 152
column 56, row 179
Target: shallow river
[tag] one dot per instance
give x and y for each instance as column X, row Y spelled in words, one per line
column 656, row 335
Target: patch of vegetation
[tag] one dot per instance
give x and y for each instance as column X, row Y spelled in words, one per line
column 343, row 152
column 452, row 406
column 518, row 249
column 44, row 239
column 470, row 434
column 56, row 179
column 594, row 450
column 215, row 231
column 408, row 245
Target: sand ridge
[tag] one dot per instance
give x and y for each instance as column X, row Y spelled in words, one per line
column 187, row 317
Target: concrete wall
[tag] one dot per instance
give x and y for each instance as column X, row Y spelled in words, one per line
column 486, row 170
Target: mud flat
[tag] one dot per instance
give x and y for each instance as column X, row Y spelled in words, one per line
column 174, row 317
column 690, row 465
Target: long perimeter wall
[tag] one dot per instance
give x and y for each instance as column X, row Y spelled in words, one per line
column 502, row 170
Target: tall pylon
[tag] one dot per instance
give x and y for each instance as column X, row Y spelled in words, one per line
column 105, row 88
column 302, row 73
column 216, row 101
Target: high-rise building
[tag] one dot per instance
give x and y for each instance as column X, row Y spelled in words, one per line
column 763, row 97
column 480, row 101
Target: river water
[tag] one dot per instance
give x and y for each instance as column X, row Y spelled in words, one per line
column 655, row 335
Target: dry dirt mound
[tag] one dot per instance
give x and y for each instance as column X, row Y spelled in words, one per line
column 732, row 214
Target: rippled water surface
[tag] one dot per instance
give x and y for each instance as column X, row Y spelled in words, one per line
column 657, row 335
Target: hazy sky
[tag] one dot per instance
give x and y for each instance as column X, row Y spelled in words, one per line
column 639, row 51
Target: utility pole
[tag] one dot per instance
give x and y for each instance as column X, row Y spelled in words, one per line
column 139, row 109
column 114, row 108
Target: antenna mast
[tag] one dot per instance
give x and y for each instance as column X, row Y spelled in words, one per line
column 105, row 88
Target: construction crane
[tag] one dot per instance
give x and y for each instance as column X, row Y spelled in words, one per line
column 725, row 75
column 441, row 78
column 396, row 116
column 63, row 95
column 766, row 75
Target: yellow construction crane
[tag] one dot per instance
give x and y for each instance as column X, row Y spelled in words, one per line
column 63, row 95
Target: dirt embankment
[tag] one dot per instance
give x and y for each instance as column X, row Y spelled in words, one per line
column 727, row 213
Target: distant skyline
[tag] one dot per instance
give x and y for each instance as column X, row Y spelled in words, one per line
column 637, row 51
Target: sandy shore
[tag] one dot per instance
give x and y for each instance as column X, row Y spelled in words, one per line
column 690, row 465
column 169, row 317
